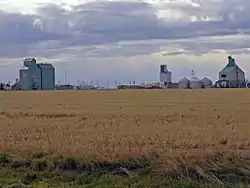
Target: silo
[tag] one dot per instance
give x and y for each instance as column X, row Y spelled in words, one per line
column 207, row 83
column 195, row 83
column 47, row 76
column 165, row 75
column 184, row 83
column 163, row 68
column 25, row 79
column 28, row 62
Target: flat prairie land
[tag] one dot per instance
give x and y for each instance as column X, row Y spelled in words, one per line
column 142, row 138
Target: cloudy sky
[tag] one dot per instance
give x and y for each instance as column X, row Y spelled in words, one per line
column 124, row 40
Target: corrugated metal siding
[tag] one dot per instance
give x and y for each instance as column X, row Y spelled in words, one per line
column 25, row 80
column 35, row 72
column 48, row 78
column 37, row 76
column 166, row 77
column 30, row 78
column 232, row 76
column 184, row 83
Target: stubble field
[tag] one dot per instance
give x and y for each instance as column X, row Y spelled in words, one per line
column 191, row 135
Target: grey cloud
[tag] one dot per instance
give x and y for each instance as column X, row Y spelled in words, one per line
column 104, row 22
column 54, row 30
column 232, row 16
column 205, row 45
column 19, row 34
column 107, row 22
column 19, row 29
column 239, row 51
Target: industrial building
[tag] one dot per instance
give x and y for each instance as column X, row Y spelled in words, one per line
column 194, row 82
column 152, row 84
column 206, row 83
column 231, row 76
column 33, row 76
column 184, row 83
column 165, row 76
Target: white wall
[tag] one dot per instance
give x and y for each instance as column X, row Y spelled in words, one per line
column 232, row 76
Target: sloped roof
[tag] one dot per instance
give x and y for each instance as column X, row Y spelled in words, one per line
column 230, row 66
column 228, row 69
column 207, row 80
column 195, row 79
column 184, row 80
column 45, row 66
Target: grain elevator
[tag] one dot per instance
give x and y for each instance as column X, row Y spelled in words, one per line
column 33, row 76
column 165, row 75
column 231, row 75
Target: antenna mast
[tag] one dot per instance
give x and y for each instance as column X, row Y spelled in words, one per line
column 192, row 74
column 65, row 77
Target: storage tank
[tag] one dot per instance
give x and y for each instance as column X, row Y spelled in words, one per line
column 166, row 77
column 25, row 79
column 207, row 83
column 184, row 83
column 165, row 74
column 28, row 62
column 47, row 76
column 195, row 83
column 163, row 68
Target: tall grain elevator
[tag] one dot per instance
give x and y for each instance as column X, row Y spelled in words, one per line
column 231, row 75
column 165, row 75
column 35, row 76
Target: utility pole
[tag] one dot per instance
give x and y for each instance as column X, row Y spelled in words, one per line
column 65, row 77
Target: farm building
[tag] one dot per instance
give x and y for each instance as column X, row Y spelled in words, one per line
column 231, row 75
column 206, row 83
column 33, row 76
column 184, row 83
column 165, row 75
column 195, row 83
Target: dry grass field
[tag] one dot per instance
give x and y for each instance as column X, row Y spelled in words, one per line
column 203, row 129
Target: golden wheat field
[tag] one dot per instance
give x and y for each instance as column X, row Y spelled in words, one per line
column 114, row 125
